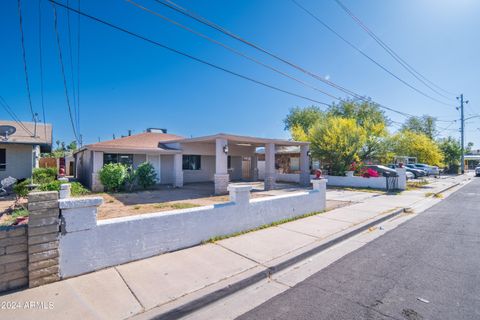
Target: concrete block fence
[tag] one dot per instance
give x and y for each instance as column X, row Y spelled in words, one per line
column 87, row 244
column 64, row 239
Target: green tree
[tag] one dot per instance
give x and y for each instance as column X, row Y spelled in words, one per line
column 371, row 118
column 452, row 152
column 364, row 112
column 414, row 144
column 425, row 124
column 337, row 142
column 112, row 176
column 146, row 175
column 302, row 118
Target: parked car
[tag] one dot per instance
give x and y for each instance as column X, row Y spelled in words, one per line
column 477, row 171
column 383, row 170
column 432, row 170
column 409, row 175
column 412, row 166
column 417, row 173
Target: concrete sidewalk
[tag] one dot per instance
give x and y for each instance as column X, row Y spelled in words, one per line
column 159, row 284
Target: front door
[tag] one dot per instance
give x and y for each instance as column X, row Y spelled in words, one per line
column 155, row 162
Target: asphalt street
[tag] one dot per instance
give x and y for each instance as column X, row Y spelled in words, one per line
column 427, row 268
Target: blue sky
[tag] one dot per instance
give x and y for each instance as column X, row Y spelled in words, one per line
column 126, row 83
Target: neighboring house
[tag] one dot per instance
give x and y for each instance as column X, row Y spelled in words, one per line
column 177, row 160
column 20, row 151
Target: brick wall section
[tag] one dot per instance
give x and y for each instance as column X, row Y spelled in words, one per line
column 43, row 233
column 13, row 257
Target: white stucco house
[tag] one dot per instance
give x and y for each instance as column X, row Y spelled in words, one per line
column 218, row 158
column 20, row 150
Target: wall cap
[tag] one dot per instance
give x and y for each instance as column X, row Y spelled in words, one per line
column 72, row 203
column 234, row 188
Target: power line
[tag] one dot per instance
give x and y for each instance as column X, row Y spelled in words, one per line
column 170, row 4
column 237, row 52
column 78, row 74
column 394, row 55
column 25, row 68
column 70, row 52
column 361, row 51
column 186, row 54
column 41, row 64
column 12, row 114
column 63, row 71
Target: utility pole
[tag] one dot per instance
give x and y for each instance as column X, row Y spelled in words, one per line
column 462, row 132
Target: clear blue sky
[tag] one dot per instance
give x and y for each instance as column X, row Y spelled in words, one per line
column 126, row 83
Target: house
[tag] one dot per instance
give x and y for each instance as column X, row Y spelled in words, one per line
column 20, row 147
column 218, row 158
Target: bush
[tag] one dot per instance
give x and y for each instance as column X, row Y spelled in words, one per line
column 76, row 188
column 146, row 175
column 50, row 186
column 21, row 188
column 44, row 175
column 112, row 176
column 130, row 179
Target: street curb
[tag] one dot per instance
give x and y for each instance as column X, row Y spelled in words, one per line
column 214, row 296
column 447, row 188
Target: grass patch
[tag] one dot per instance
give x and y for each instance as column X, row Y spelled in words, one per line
column 136, row 207
column 177, row 205
column 12, row 218
column 276, row 223
column 371, row 190
column 429, row 194
column 438, row 195
column 412, row 185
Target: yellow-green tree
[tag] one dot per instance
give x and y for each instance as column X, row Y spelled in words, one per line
column 419, row 145
column 337, row 141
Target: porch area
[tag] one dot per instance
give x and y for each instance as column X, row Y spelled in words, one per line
column 223, row 158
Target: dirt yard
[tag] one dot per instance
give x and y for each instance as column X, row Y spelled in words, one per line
column 166, row 198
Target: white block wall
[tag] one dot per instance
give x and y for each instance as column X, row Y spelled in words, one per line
column 87, row 245
column 357, row 182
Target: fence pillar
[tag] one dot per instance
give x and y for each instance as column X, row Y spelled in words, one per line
column 402, row 178
column 239, row 194
column 320, row 186
column 43, row 232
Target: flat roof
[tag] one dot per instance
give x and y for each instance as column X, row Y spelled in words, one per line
column 254, row 141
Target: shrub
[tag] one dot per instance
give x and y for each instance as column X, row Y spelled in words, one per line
column 50, row 186
column 112, row 176
column 130, row 179
column 146, row 175
column 76, row 188
column 21, row 188
column 44, row 175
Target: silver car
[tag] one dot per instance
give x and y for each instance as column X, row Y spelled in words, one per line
column 431, row 170
column 477, row 171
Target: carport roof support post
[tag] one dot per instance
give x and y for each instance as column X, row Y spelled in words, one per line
column 221, row 177
column 269, row 166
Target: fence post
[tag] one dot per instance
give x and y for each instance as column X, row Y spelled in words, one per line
column 43, row 232
column 240, row 194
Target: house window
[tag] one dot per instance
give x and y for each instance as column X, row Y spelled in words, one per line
column 294, row 164
column 191, row 162
column 126, row 159
column 3, row 159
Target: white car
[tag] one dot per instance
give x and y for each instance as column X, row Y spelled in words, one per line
column 410, row 175
column 477, row 171
column 431, row 170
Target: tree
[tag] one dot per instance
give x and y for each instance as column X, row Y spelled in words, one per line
column 425, row 124
column 337, row 142
column 419, row 145
column 452, row 152
column 302, row 118
column 364, row 112
column 468, row 149
column 371, row 118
